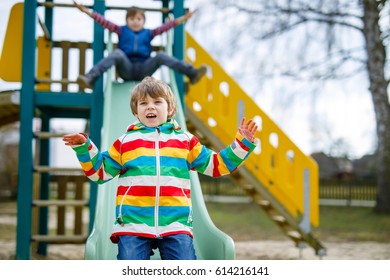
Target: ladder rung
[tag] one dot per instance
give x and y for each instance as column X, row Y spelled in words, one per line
column 264, row 203
column 47, row 169
column 43, row 203
column 51, row 81
column 295, row 235
column 52, row 5
column 247, row 187
column 60, row 239
column 279, row 219
column 47, row 135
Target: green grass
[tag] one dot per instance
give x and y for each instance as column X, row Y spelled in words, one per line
column 248, row 222
column 343, row 224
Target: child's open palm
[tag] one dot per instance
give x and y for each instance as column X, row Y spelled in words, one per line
column 74, row 139
column 248, row 129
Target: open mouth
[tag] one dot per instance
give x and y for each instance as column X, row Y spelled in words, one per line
column 151, row 116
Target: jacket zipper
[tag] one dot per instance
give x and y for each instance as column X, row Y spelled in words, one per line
column 135, row 50
column 156, row 212
column 119, row 218
column 189, row 218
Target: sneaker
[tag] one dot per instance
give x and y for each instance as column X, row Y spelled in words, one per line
column 84, row 82
column 200, row 72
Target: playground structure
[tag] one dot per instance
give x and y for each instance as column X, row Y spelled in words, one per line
column 277, row 176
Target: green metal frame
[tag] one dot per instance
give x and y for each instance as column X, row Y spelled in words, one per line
column 25, row 173
column 178, row 45
column 97, row 101
column 44, row 158
column 47, row 102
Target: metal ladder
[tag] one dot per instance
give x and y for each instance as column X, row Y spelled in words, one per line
column 243, row 178
column 63, row 177
column 38, row 100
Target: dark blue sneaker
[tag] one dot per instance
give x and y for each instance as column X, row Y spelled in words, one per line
column 200, row 72
column 84, row 82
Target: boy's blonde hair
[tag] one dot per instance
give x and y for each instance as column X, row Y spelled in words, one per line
column 154, row 88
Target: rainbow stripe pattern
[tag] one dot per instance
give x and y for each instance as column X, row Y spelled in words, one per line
column 153, row 164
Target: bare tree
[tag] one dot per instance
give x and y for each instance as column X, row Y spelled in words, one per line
column 337, row 40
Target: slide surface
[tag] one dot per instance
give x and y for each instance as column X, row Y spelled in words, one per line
column 209, row 241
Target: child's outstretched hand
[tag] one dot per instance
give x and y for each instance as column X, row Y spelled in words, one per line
column 82, row 8
column 74, row 139
column 248, row 129
column 186, row 17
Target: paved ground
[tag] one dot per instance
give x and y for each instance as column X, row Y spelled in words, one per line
column 245, row 250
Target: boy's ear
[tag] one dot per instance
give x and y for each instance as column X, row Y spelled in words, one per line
column 171, row 111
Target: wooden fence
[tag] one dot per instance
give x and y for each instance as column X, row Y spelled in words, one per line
column 359, row 190
column 329, row 189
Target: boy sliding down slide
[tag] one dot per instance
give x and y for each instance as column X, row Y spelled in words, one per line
column 133, row 58
column 153, row 160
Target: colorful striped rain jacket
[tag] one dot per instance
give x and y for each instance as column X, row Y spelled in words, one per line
column 153, row 196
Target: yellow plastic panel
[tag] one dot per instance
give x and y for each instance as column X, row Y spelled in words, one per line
column 44, row 59
column 11, row 56
column 277, row 163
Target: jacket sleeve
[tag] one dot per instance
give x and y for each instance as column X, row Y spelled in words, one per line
column 163, row 28
column 211, row 163
column 106, row 23
column 99, row 167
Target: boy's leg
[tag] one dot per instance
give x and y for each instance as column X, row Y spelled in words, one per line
column 161, row 58
column 176, row 247
column 134, row 248
column 116, row 57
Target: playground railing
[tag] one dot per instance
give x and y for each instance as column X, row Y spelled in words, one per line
column 281, row 167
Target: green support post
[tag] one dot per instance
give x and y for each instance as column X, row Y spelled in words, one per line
column 165, row 4
column 96, row 118
column 178, row 45
column 44, row 158
column 49, row 19
column 25, row 168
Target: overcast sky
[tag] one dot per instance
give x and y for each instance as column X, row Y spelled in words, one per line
column 346, row 111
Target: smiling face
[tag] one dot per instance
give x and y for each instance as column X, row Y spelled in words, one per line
column 152, row 112
column 152, row 102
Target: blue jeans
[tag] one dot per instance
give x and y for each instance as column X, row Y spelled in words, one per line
column 130, row 71
column 172, row 247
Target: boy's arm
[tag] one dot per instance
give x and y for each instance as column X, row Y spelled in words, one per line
column 171, row 24
column 99, row 19
column 83, row 8
column 99, row 167
column 208, row 162
column 184, row 18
